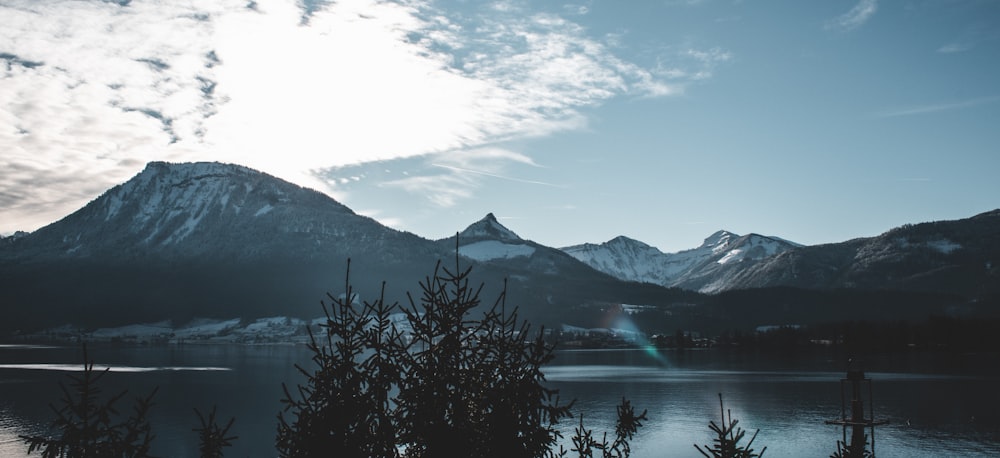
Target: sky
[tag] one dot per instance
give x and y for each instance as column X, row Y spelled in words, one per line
column 572, row 122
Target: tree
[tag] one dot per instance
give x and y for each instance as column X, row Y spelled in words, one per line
column 90, row 427
column 727, row 439
column 472, row 387
column 345, row 405
column 212, row 436
column 585, row 445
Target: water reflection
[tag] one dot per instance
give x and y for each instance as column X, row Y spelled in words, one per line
column 929, row 401
column 77, row 367
column 787, row 396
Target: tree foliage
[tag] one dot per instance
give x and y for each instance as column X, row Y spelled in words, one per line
column 451, row 386
column 585, row 445
column 727, row 439
column 91, row 427
column 212, row 437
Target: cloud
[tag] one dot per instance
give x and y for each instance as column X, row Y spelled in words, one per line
column 446, row 178
column 682, row 65
column 92, row 90
column 856, row 17
column 683, row 2
column 576, row 9
column 926, row 109
column 972, row 36
column 954, row 48
column 497, row 176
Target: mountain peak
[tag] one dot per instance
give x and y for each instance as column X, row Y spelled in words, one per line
column 622, row 240
column 185, row 209
column 488, row 228
column 719, row 240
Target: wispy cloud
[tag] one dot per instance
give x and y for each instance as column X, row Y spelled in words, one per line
column 687, row 64
column 92, row 90
column 445, row 179
column 972, row 36
column 956, row 47
column 926, row 109
column 856, row 17
column 498, row 176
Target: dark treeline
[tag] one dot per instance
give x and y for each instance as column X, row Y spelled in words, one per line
column 936, row 333
column 737, row 315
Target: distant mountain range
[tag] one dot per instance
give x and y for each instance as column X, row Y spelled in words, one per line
column 956, row 257
column 709, row 268
column 213, row 240
column 180, row 241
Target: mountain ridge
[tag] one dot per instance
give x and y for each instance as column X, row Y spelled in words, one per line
column 211, row 240
column 223, row 240
column 704, row 268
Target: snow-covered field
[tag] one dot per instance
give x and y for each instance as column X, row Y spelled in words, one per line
column 277, row 329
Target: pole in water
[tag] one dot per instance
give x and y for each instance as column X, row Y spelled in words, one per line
column 854, row 383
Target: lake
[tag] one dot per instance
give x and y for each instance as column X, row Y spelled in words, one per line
column 937, row 404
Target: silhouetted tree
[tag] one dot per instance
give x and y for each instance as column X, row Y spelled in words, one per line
column 585, row 445
column 727, row 439
column 345, row 404
column 852, row 450
column 91, row 427
column 473, row 387
column 212, row 436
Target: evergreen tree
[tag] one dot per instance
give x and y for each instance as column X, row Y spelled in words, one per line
column 91, row 427
column 345, row 405
column 472, row 387
column 727, row 439
column 212, row 436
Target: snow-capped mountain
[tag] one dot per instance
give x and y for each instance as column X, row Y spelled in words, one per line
column 957, row 257
column 537, row 274
column 487, row 240
column 203, row 239
column 211, row 240
column 203, row 209
column 705, row 268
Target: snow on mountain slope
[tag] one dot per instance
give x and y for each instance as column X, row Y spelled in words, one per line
column 943, row 256
column 192, row 210
column 487, row 250
column 488, row 228
column 626, row 259
column 704, row 268
column 487, row 240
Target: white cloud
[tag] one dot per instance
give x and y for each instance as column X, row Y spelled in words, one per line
column 952, row 48
column 92, row 90
column 925, row 109
column 688, row 64
column 856, row 17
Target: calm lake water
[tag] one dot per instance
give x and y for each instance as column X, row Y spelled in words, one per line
column 937, row 405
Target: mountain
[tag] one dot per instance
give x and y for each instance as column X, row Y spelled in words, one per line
column 209, row 240
column 956, row 257
column 543, row 275
column 706, row 268
column 194, row 210
column 180, row 241
column 202, row 239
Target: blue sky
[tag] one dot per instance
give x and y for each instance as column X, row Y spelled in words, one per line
column 571, row 121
